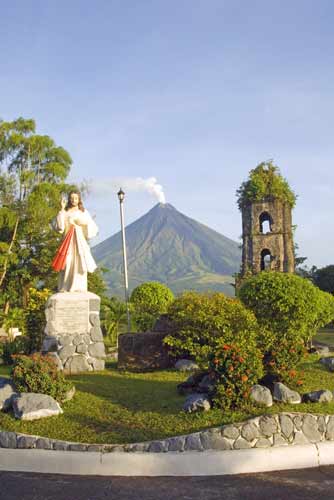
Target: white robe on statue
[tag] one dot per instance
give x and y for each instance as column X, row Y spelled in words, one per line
column 79, row 260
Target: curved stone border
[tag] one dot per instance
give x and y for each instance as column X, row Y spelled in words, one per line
column 266, row 431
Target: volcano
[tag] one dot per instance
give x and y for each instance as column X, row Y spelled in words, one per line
column 167, row 246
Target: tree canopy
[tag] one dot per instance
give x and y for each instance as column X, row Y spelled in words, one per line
column 33, row 172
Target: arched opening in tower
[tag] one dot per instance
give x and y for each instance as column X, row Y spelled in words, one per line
column 266, row 223
column 266, row 260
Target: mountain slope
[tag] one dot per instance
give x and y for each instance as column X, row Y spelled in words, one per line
column 165, row 245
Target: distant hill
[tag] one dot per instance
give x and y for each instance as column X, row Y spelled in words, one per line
column 165, row 245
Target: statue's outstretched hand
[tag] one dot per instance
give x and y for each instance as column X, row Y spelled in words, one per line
column 63, row 203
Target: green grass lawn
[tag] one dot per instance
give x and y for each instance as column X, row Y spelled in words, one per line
column 325, row 336
column 122, row 407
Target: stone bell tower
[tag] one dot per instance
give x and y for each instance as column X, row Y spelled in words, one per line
column 267, row 237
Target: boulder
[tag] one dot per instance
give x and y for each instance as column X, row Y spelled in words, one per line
column 321, row 349
column 197, row 382
column 261, row 395
column 33, row 406
column 328, row 363
column 7, row 393
column 197, row 402
column 207, row 384
column 322, row 396
column 186, row 365
column 283, row 394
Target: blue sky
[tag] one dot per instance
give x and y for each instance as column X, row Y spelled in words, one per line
column 192, row 92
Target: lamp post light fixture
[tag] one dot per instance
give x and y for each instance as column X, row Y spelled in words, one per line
column 121, row 196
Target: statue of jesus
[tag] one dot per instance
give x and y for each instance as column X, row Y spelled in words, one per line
column 74, row 259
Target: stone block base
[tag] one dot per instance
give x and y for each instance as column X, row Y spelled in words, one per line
column 143, row 352
column 73, row 335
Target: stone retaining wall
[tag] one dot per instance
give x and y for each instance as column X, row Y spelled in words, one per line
column 265, row 431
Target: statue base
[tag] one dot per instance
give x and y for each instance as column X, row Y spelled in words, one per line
column 72, row 334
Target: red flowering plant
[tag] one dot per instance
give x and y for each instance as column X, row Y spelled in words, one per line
column 281, row 361
column 236, row 368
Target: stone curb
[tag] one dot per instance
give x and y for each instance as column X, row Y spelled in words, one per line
column 265, row 431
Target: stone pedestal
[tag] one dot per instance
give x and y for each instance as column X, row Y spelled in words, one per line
column 72, row 333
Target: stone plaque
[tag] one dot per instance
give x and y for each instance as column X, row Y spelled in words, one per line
column 72, row 316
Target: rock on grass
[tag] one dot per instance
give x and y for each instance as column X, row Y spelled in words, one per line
column 32, row 406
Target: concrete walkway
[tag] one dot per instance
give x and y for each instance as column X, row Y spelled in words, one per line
column 290, row 485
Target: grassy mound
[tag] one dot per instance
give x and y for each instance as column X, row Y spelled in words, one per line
column 121, row 407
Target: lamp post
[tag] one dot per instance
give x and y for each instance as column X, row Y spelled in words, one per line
column 121, row 196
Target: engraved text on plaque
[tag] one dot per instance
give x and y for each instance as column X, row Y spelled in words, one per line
column 72, row 317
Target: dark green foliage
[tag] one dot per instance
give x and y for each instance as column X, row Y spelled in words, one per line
column 166, row 246
column 113, row 319
column 235, row 370
column 201, row 322
column 12, row 348
column 35, row 318
column 265, row 182
column 149, row 301
column 324, row 278
column 37, row 373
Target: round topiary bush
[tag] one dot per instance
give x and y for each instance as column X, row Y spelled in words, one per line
column 199, row 322
column 289, row 310
column 149, row 301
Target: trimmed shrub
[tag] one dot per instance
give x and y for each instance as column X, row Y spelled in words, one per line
column 37, row 373
column 289, row 310
column 235, row 369
column 287, row 305
column 149, row 301
column 199, row 322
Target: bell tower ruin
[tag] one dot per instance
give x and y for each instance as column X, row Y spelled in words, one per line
column 267, row 241
column 266, row 203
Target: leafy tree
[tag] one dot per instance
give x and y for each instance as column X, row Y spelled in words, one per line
column 33, row 170
column 149, row 301
column 265, row 182
column 324, row 278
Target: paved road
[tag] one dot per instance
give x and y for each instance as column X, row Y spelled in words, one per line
column 301, row 484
